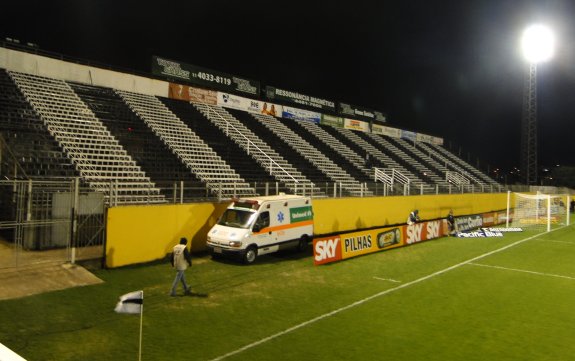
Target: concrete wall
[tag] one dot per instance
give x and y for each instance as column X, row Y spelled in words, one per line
column 57, row 69
column 137, row 234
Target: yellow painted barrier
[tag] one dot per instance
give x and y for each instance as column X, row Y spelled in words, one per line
column 138, row 234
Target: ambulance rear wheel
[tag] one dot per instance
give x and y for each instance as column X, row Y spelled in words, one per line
column 250, row 255
column 302, row 245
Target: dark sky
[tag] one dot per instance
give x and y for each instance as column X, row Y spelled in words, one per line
column 452, row 69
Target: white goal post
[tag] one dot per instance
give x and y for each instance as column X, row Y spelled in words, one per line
column 537, row 211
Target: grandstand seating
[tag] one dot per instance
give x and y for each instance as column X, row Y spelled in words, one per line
column 373, row 143
column 198, row 156
column 153, row 155
column 144, row 145
column 426, row 167
column 231, row 153
column 316, row 166
column 27, row 138
column 459, row 165
column 262, row 152
column 95, row 153
column 332, row 148
column 331, row 169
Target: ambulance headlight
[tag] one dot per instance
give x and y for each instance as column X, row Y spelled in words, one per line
column 235, row 244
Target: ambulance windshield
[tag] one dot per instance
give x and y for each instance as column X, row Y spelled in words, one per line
column 237, row 218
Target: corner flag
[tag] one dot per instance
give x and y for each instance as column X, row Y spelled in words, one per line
column 131, row 303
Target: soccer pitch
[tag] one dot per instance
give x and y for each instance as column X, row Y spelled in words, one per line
column 502, row 298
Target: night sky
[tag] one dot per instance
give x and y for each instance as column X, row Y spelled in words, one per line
column 452, row 69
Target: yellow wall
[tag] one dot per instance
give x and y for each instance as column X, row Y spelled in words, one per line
column 345, row 214
column 137, row 234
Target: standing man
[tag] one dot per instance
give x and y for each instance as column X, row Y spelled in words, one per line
column 413, row 217
column 451, row 223
column 180, row 260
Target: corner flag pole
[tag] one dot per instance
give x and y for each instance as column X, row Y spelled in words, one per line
column 141, row 322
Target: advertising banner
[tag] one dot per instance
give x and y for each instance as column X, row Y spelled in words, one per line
column 191, row 94
column 331, row 120
column 466, row 223
column 360, row 112
column 356, row 125
column 283, row 95
column 204, row 77
column 424, row 231
column 424, row 138
column 406, row 134
column 248, row 105
column 437, row 140
column 489, row 219
column 480, row 233
column 301, row 114
column 301, row 214
column 326, row 250
column 348, row 245
column 383, row 130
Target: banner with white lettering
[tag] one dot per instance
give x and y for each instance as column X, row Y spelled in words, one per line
column 283, row 95
column 356, row 111
column 423, row 231
column 301, row 114
column 388, row 131
column 347, row 245
column 466, row 223
column 248, row 105
column 204, row 76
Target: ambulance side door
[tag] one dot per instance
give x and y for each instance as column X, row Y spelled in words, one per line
column 262, row 230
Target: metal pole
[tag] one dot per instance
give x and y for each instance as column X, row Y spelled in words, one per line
column 508, row 203
column 76, row 204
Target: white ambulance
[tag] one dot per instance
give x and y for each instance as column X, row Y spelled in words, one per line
column 254, row 226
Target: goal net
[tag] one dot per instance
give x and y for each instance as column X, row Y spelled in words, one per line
column 537, row 212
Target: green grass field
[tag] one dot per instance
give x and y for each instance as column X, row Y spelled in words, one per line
column 507, row 298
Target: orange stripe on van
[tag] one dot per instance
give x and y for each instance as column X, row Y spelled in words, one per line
column 285, row 226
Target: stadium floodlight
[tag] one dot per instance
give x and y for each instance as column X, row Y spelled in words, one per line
column 538, row 43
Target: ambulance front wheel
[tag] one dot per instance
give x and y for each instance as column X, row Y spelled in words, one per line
column 250, row 255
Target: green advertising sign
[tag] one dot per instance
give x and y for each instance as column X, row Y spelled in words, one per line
column 300, row 214
column 332, row 121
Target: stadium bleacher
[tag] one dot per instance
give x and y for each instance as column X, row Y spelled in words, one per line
column 147, row 144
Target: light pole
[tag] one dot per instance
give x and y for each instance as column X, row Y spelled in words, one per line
column 538, row 46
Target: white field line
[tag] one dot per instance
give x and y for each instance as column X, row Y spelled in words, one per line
column 521, row 270
column 550, row 240
column 377, row 295
column 387, row 279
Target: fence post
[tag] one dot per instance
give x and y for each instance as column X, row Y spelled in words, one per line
column 76, row 204
column 174, row 192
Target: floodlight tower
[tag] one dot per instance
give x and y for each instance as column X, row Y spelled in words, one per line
column 538, row 46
